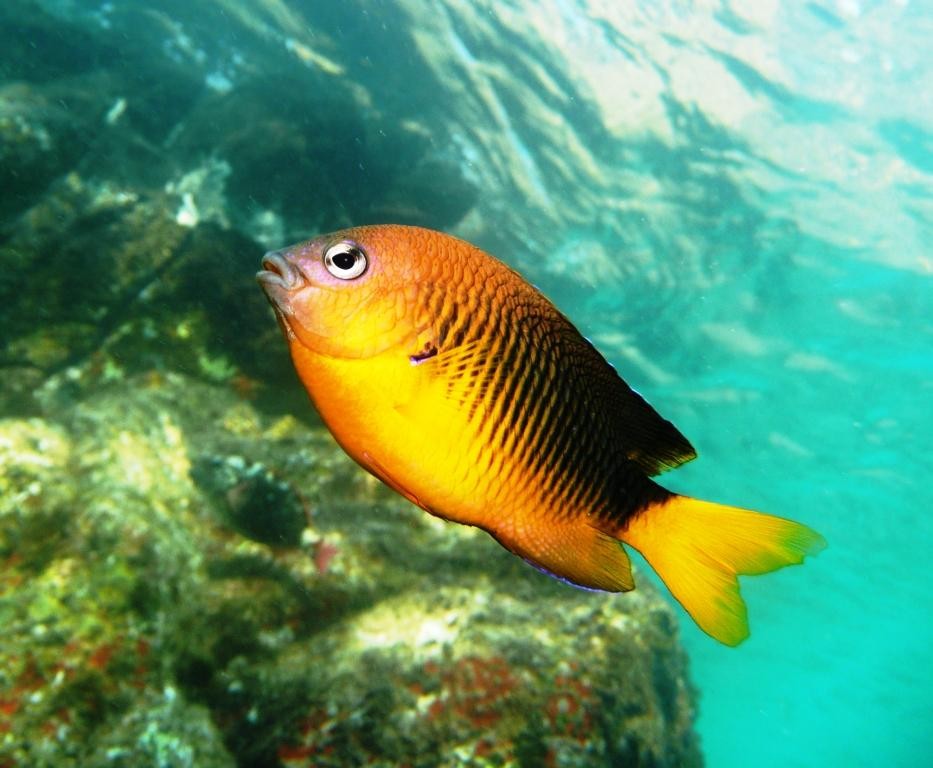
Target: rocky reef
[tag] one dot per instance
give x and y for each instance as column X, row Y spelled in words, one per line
column 192, row 573
column 188, row 580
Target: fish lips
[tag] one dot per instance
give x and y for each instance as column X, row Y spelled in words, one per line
column 278, row 273
column 279, row 278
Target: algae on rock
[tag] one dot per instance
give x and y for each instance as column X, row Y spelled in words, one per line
column 379, row 635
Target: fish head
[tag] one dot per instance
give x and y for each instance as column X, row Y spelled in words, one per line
column 350, row 294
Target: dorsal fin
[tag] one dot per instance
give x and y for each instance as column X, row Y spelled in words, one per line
column 648, row 439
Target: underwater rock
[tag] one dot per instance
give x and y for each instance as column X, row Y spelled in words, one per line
column 309, row 151
column 17, row 395
column 120, row 287
column 526, row 673
column 161, row 729
column 90, row 251
column 117, row 582
column 147, row 625
column 91, row 578
column 39, row 141
column 35, row 498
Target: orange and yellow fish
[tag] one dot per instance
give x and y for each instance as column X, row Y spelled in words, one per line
column 457, row 383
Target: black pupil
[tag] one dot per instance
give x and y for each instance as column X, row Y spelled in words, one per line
column 345, row 259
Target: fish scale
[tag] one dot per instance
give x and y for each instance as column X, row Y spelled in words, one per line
column 457, row 383
column 492, row 394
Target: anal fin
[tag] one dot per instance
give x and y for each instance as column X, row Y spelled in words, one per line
column 574, row 552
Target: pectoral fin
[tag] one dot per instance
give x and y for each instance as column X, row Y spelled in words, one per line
column 376, row 469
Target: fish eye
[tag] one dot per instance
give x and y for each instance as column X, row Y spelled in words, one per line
column 345, row 260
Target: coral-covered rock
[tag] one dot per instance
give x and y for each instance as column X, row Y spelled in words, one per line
column 36, row 498
column 161, row 729
column 139, row 621
column 528, row 674
column 120, row 286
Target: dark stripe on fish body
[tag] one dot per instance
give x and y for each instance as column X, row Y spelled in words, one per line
column 505, row 404
column 558, row 443
column 533, row 390
column 622, row 486
column 571, row 447
column 521, row 364
column 547, row 420
column 523, row 391
column 486, row 395
column 592, row 448
column 489, row 382
column 578, row 494
column 456, row 322
column 459, row 313
column 578, row 469
column 447, row 316
column 482, row 326
column 516, row 439
column 551, row 442
column 543, row 399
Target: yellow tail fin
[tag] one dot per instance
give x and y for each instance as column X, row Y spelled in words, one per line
column 699, row 548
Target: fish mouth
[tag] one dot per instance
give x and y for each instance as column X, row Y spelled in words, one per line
column 279, row 278
column 278, row 274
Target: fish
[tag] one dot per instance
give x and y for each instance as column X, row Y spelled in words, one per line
column 444, row 373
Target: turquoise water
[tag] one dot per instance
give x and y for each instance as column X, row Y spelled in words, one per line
column 796, row 352
column 807, row 393
column 733, row 203
column 776, row 292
